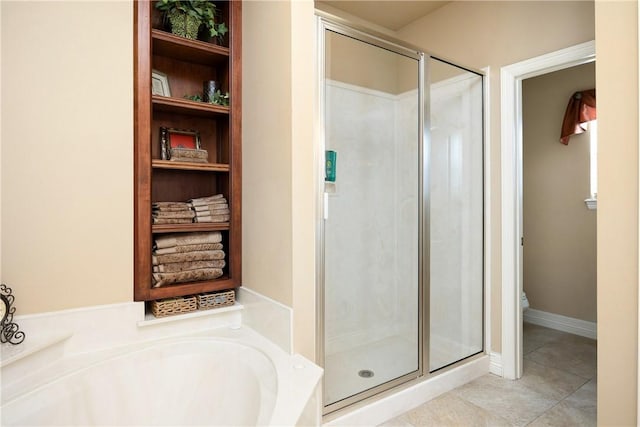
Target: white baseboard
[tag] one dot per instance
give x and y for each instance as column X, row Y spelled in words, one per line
column 561, row 323
column 495, row 363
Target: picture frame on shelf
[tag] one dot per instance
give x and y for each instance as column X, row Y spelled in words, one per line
column 171, row 138
column 160, row 84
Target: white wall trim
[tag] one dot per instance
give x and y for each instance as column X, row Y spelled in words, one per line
column 495, row 363
column 487, row 212
column 561, row 323
column 511, row 77
column 638, row 353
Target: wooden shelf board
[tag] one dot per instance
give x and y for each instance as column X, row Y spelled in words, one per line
column 191, row 288
column 205, row 167
column 186, row 106
column 189, row 228
column 167, row 44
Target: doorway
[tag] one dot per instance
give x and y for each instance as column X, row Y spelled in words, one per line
column 511, row 170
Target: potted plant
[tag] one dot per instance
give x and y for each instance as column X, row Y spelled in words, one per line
column 187, row 16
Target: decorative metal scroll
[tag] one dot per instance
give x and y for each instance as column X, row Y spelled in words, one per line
column 9, row 331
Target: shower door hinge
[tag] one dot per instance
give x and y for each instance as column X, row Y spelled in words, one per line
column 522, row 241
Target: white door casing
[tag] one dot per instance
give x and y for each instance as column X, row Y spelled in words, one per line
column 511, row 77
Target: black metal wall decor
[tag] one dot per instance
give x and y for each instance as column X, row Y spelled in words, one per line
column 9, row 331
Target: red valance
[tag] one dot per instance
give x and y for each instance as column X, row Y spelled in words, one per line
column 580, row 111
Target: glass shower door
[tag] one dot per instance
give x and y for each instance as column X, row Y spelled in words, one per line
column 371, row 227
column 455, row 214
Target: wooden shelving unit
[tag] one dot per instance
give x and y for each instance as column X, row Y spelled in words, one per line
column 187, row 63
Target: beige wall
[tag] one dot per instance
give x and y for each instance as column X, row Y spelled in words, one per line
column 266, row 151
column 67, row 153
column 278, row 159
column 560, row 232
column 617, row 85
column 303, row 173
column 360, row 64
column 498, row 34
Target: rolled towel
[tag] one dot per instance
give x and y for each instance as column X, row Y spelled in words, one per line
column 174, row 267
column 187, row 256
column 188, row 248
column 161, row 279
column 172, row 220
column 175, row 239
column 212, row 218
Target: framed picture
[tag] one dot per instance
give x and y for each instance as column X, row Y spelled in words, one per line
column 160, row 84
column 177, row 138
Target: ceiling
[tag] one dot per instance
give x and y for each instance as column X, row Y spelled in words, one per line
column 391, row 14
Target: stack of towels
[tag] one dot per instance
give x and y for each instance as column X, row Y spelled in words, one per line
column 190, row 257
column 210, row 209
column 172, row 213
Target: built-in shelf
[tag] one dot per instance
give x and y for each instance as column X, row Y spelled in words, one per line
column 187, row 64
column 205, row 167
column 186, row 106
column 167, row 44
column 150, row 319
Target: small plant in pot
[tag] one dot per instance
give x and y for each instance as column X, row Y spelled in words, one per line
column 187, row 16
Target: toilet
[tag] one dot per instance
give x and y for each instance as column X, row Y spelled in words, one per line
column 524, row 303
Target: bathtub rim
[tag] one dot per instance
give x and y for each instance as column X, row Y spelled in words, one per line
column 290, row 369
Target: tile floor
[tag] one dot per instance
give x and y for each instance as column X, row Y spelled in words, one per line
column 558, row 388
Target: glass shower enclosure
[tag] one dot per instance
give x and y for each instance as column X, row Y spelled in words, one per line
column 401, row 228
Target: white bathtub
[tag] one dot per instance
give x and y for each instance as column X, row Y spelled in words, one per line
column 224, row 377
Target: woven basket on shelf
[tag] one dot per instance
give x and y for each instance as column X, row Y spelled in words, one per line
column 216, row 300
column 171, row 306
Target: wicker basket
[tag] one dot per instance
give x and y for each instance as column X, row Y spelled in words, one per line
column 171, row 306
column 216, row 300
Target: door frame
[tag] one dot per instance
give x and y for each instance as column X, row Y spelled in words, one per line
column 511, row 77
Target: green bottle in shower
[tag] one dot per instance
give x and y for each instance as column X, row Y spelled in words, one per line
column 330, row 165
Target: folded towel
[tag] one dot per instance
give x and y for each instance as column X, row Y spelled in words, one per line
column 170, row 240
column 188, row 248
column 187, row 256
column 170, row 205
column 207, row 200
column 212, row 218
column 172, row 220
column 175, row 267
column 217, row 210
column 222, row 205
column 185, row 214
column 185, row 208
column 161, row 279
